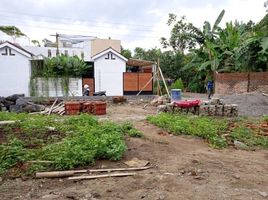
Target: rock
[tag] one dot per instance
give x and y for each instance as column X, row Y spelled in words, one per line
column 199, row 178
column 135, row 162
column 240, row 145
column 162, row 108
column 2, row 107
column 14, row 97
column 22, row 101
column 15, row 108
column 50, row 196
column 263, row 194
column 236, row 176
column 1, row 179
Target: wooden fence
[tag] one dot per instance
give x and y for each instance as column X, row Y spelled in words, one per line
column 134, row 82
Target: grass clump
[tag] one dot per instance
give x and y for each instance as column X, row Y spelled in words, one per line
column 129, row 130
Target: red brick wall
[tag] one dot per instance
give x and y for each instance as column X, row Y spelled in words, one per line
column 231, row 83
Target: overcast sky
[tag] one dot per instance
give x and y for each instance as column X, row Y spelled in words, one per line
column 135, row 22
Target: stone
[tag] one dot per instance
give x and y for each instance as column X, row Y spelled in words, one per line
column 236, row 176
column 15, row 108
column 240, row 145
column 50, row 196
column 162, row 108
column 22, row 102
column 14, row 97
column 263, row 194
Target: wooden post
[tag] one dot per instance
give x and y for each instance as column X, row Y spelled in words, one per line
column 158, row 65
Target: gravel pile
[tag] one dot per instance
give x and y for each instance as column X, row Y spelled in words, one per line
column 249, row 104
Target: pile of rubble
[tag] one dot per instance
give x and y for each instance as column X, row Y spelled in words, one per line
column 18, row 103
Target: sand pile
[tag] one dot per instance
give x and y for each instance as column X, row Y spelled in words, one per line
column 249, row 104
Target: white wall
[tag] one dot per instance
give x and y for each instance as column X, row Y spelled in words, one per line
column 53, row 87
column 109, row 75
column 14, row 73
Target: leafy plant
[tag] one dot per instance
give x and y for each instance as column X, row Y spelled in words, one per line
column 178, row 84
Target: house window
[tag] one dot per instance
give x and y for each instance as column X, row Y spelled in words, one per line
column 49, row 53
column 8, row 52
column 66, row 52
column 110, row 56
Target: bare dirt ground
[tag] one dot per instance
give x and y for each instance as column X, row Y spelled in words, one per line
column 182, row 168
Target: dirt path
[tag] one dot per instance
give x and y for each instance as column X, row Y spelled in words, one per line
column 183, row 168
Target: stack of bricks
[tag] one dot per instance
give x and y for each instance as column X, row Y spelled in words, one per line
column 216, row 107
column 91, row 107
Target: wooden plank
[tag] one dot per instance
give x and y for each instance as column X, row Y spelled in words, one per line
column 101, row 176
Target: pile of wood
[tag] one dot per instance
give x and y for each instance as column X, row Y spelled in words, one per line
column 55, row 108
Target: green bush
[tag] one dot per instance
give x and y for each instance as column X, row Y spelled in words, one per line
column 178, row 84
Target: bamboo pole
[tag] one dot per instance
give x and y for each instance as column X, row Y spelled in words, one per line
column 158, row 65
column 101, row 176
column 58, row 174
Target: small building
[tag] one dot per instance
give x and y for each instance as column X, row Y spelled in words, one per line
column 109, row 66
column 15, row 69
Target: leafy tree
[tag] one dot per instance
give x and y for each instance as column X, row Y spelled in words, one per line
column 181, row 33
column 126, row 53
column 12, row 31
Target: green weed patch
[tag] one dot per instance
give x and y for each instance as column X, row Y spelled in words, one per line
column 65, row 142
column 216, row 131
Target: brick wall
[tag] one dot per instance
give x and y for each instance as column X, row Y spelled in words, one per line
column 231, row 83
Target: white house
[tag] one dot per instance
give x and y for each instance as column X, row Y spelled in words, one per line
column 15, row 70
column 109, row 66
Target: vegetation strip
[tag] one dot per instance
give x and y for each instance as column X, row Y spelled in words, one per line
column 219, row 132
